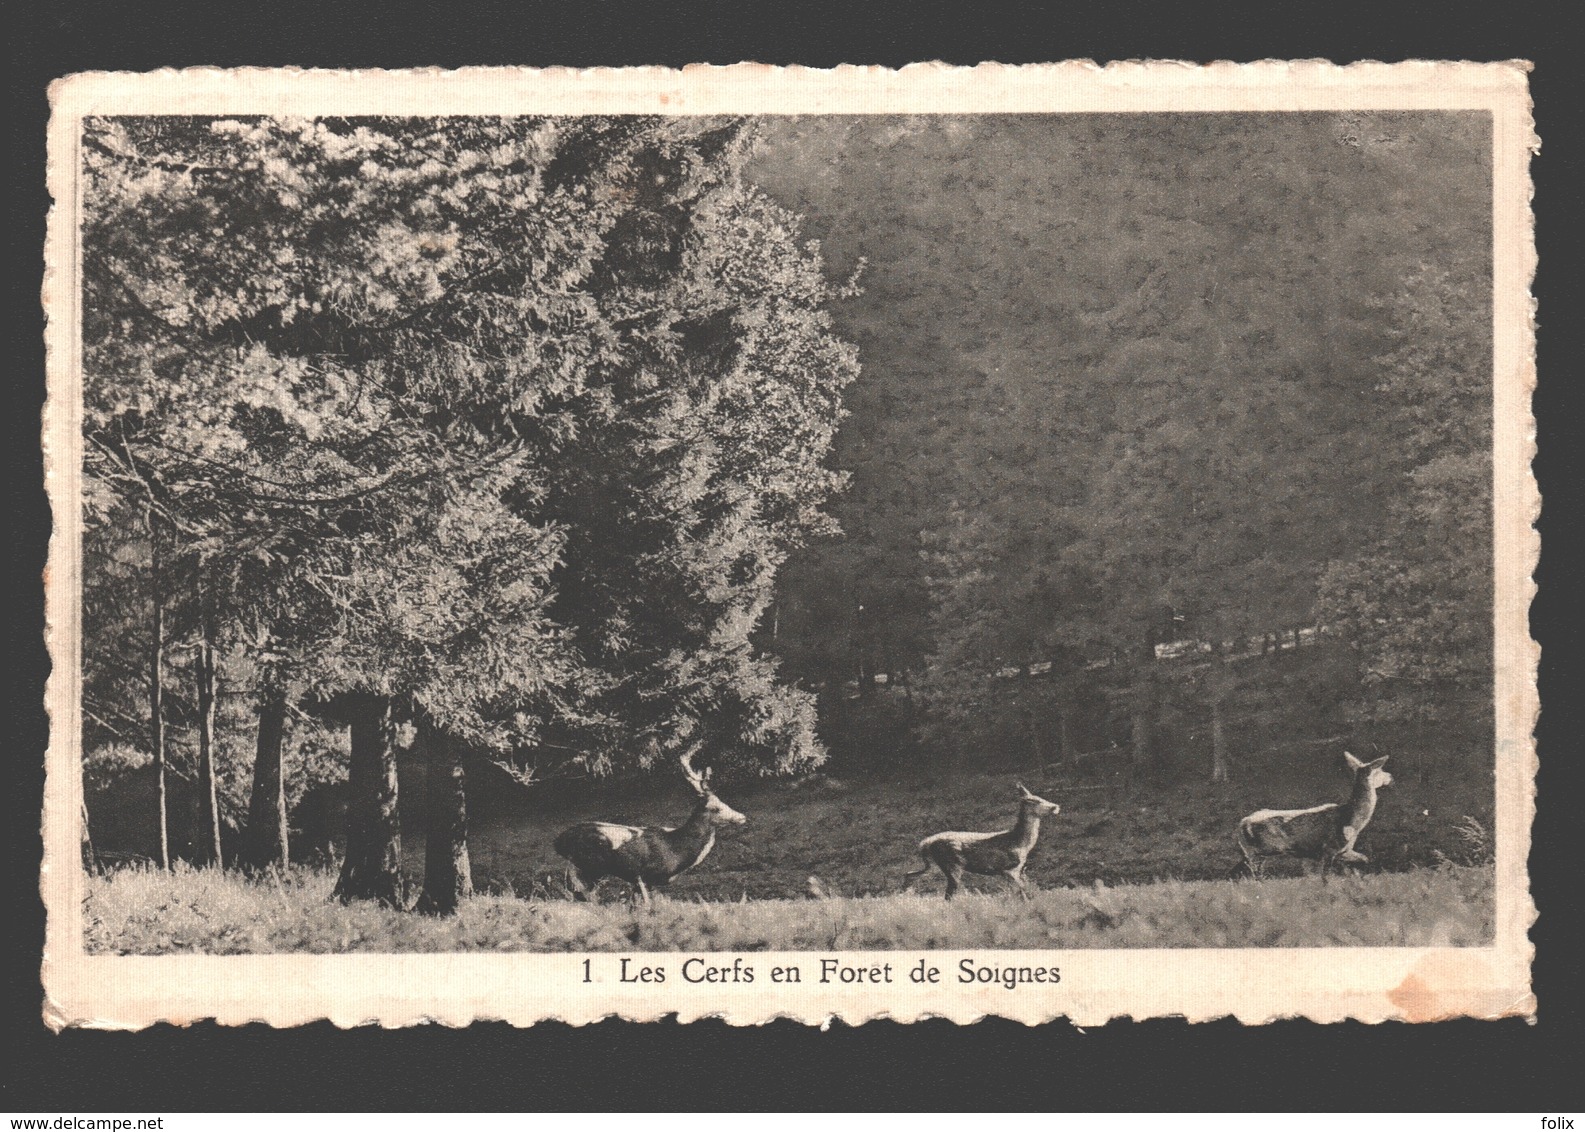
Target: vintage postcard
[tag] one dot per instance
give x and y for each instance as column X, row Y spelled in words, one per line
column 748, row 542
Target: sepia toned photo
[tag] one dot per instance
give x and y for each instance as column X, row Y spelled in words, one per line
column 746, row 542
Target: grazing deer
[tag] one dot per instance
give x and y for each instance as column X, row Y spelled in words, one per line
column 645, row 857
column 1324, row 833
column 987, row 854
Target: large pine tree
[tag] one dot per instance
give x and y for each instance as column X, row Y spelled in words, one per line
column 502, row 425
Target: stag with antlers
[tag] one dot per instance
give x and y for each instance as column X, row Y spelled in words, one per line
column 988, row 854
column 642, row 856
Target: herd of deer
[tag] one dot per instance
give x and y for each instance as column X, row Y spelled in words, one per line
column 647, row 857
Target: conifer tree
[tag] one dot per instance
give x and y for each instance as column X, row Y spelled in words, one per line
column 501, row 425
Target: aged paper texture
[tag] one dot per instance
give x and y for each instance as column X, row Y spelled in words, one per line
column 441, row 464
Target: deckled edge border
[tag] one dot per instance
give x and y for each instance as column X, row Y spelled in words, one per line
column 63, row 459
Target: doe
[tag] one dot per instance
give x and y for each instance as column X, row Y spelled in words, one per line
column 988, row 854
column 644, row 856
column 1321, row 833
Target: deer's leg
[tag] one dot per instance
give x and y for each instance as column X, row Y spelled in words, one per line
column 579, row 885
column 1348, row 852
column 954, row 880
column 1017, row 876
column 642, row 891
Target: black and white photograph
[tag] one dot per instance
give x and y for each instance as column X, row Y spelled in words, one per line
column 786, row 552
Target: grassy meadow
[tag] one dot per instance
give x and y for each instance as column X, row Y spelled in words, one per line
column 139, row 910
column 819, row 867
column 858, row 838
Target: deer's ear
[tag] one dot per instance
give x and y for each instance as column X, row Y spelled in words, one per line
column 1377, row 763
column 1353, row 763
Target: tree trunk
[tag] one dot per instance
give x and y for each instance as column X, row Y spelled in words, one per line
column 157, row 691
column 371, row 869
column 1035, row 742
column 1064, row 738
column 90, row 861
column 1139, row 726
column 206, row 848
column 1218, row 742
column 448, row 877
column 1219, row 684
column 266, row 842
column 1142, row 707
column 861, row 654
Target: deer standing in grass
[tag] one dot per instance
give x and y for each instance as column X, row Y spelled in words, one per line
column 645, row 857
column 1321, row 833
column 987, row 854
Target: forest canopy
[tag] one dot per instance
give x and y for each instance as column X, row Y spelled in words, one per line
column 1143, row 380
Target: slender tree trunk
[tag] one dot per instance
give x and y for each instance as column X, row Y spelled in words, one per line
column 1218, row 741
column 861, row 654
column 90, row 862
column 1219, row 683
column 157, row 690
column 1143, row 708
column 1035, row 742
column 1064, row 737
column 371, row 869
column 1139, row 724
column 207, row 849
column 266, row 842
column 448, row 877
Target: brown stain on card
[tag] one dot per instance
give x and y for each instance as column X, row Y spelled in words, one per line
column 1418, row 1002
column 1440, row 987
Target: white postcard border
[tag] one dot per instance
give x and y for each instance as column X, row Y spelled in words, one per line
column 1331, row 984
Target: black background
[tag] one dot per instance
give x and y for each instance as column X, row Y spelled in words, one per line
column 1168, row 1064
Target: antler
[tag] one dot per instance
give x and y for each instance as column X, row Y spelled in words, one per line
column 699, row 780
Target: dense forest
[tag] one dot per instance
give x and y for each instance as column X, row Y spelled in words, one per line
column 554, row 449
column 1142, row 395
column 482, row 436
